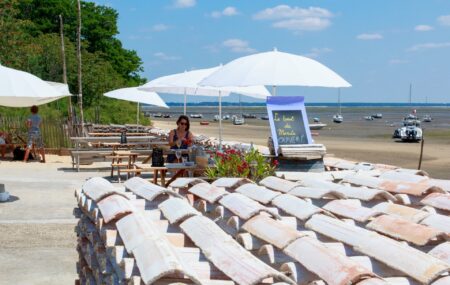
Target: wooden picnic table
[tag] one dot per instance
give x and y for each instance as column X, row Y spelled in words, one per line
column 112, row 142
column 179, row 168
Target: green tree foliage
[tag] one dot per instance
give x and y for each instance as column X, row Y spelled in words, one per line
column 30, row 41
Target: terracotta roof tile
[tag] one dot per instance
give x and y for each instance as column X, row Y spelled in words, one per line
column 401, row 211
column 331, row 266
column 296, row 207
column 231, row 183
column 278, row 184
column 351, row 209
column 208, row 192
column 147, row 190
column 438, row 221
column 414, row 263
column 437, row 200
column 177, row 210
column 257, row 193
column 315, row 193
column 405, row 230
column 227, row 254
column 442, row 252
column 271, row 231
column 114, row 207
column 97, row 188
column 243, row 207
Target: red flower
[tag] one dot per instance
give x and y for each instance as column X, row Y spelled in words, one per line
column 275, row 162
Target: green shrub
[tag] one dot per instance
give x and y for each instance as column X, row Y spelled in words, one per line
column 234, row 163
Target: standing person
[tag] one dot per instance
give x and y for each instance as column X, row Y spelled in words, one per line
column 180, row 138
column 34, row 134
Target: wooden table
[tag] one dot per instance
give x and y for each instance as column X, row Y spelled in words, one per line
column 117, row 161
column 162, row 170
column 114, row 143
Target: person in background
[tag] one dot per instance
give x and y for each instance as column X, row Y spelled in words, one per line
column 34, row 134
column 180, row 138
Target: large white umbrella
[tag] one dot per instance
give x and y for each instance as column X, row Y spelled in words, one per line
column 275, row 68
column 187, row 83
column 133, row 94
column 23, row 89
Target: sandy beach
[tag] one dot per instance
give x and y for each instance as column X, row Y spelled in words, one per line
column 355, row 140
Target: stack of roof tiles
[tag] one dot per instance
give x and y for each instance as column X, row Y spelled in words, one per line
column 378, row 225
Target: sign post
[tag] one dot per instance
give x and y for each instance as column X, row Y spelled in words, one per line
column 288, row 121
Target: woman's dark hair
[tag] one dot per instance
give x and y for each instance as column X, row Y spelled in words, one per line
column 184, row 117
column 34, row 109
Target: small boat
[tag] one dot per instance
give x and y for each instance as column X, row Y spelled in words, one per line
column 167, row 116
column 316, row 120
column 249, row 116
column 196, row 116
column 204, row 123
column 427, row 119
column 369, row 118
column 237, row 120
column 338, row 118
column 158, row 115
column 265, row 118
column 317, row 126
column 411, row 131
column 216, row 118
column 377, row 116
column 226, row 117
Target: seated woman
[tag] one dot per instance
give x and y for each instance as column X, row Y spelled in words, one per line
column 180, row 138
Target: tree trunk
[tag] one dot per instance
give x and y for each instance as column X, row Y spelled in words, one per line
column 80, row 88
column 63, row 56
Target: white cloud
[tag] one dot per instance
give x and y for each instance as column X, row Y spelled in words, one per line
column 163, row 56
column 369, row 37
column 316, row 52
column 160, row 28
column 228, row 11
column 296, row 18
column 397, row 61
column 423, row 28
column 306, row 24
column 238, row 45
column 444, row 20
column 184, row 3
column 426, row 46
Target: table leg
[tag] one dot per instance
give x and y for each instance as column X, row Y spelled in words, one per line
column 163, row 177
column 155, row 176
column 177, row 174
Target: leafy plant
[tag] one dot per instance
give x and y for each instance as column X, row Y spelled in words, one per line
column 234, row 163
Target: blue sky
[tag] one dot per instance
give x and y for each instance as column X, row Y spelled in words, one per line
column 380, row 47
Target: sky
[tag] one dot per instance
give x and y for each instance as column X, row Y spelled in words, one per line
column 380, row 47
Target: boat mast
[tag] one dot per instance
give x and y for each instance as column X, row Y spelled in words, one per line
column 410, row 93
column 339, row 100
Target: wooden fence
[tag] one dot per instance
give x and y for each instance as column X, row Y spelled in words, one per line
column 55, row 132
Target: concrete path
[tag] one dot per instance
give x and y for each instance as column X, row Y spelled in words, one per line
column 37, row 239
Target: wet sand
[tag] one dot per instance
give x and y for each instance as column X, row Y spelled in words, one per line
column 368, row 141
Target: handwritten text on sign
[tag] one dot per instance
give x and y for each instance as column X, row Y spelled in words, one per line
column 289, row 127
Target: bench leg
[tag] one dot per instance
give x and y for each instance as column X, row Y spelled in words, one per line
column 112, row 167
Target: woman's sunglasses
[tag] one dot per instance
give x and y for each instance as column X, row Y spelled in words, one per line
column 183, row 123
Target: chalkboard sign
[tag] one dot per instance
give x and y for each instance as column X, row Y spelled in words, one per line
column 288, row 121
column 289, row 127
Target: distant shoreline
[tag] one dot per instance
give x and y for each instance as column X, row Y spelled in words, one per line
column 343, row 105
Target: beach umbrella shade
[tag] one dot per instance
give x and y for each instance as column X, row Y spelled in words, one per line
column 133, row 94
column 23, row 89
column 187, row 83
column 275, row 68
